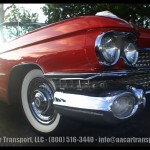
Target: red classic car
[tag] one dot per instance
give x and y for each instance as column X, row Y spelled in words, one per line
column 96, row 68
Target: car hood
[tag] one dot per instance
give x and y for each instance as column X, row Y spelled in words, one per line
column 65, row 27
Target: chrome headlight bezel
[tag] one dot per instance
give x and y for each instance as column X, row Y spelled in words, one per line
column 105, row 58
column 124, row 105
column 120, row 39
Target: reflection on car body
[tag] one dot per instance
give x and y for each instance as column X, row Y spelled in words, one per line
column 91, row 67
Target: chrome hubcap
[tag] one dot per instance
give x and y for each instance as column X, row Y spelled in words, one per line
column 40, row 99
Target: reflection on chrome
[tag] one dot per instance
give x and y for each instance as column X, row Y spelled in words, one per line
column 122, row 104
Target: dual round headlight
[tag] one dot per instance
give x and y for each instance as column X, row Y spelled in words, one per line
column 107, row 50
column 111, row 45
column 130, row 52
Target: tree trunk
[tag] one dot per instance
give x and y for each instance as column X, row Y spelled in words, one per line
column 1, row 13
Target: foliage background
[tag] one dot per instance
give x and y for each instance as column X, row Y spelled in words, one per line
column 140, row 13
column 54, row 12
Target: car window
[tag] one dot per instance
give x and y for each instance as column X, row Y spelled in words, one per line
column 12, row 30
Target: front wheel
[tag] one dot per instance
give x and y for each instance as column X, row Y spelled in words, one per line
column 37, row 94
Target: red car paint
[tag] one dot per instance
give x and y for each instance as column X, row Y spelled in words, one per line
column 64, row 46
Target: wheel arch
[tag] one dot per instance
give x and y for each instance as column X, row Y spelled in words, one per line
column 15, row 79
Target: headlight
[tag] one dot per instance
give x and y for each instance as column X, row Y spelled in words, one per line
column 130, row 52
column 107, row 50
column 124, row 106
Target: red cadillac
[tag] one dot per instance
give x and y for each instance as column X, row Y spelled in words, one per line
column 96, row 68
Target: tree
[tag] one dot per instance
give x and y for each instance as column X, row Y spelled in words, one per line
column 18, row 14
column 56, row 12
column 2, row 12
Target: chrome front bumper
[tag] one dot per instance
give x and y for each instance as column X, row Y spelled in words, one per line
column 98, row 106
column 71, row 99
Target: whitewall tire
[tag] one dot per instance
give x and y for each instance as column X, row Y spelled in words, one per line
column 36, row 99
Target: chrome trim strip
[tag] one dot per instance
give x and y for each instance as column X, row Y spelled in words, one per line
column 2, row 74
column 147, row 92
column 144, row 49
column 88, row 76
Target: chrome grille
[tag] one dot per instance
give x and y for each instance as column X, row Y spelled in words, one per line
column 141, row 80
column 143, row 60
column 80, row 84
column 137, row 80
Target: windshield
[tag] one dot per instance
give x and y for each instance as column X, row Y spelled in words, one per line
column 12, row 30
